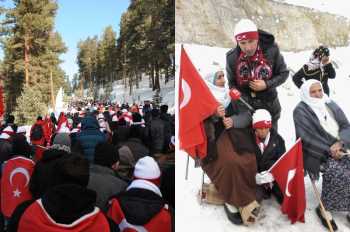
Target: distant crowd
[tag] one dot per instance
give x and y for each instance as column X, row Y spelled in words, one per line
column 96, row 167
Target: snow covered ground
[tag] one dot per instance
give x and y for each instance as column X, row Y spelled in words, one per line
column 144, row 92
column 191, row 216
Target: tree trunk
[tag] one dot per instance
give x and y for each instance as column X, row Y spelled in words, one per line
column 152, row 76
column 52, row 93
column 166, row 79
column 156, row 81
column 137, row 79
column 26, row 61
column 130, row 83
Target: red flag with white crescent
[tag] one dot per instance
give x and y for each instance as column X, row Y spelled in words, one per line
column 15, row 179
column 288, row 172
column 196, row 103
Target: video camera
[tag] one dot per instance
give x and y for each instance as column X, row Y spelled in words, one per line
column 321, row 52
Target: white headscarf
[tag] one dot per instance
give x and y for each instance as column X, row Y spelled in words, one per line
column 318, row 105
column 221, row 94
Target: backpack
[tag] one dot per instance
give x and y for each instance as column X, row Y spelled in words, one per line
column 37, row 132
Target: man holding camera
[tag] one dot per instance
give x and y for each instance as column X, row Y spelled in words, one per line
column 318, row 67
column 256, row 67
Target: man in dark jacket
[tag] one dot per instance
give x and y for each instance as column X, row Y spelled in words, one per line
column 156, row 128
column 256, row 67
column 89, row 137
column 102, row 174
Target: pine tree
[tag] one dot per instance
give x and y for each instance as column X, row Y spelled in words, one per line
column 29, row 106
column 31, row 49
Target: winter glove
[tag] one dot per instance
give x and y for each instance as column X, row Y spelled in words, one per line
column 263, row 178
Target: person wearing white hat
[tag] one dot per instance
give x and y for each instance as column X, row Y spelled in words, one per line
column 7, row 132
column 270, row 147
column 143, row 194
column 255, row 67
column 5, row 143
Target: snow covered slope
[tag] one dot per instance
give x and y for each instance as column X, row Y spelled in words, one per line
column 191, row 216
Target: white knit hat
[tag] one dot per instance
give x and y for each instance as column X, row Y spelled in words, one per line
column 261, row 119
column 147, row 168
column 7, row 132
column 245, row 29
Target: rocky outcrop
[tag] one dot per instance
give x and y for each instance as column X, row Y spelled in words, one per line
column 212, row 22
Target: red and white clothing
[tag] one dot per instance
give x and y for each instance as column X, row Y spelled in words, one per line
column 152, row 214
column 15, row 179
column 35, row 218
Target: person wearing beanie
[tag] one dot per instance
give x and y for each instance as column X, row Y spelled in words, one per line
column 62, row 141
column 142, row 204
column 255, row 67
column 6, row 144
column 270, row 147
column 66, row 204
column 104, row 179
column 9, row 122
column 89, row 137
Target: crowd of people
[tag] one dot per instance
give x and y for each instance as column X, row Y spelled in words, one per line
column 242, row 136
column 96, row 167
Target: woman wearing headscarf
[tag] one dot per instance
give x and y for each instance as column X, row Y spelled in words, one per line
column 319, row 67
column 230, row 163
column 325, row 133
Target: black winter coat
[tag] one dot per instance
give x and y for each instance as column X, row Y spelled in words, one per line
column 274, row 150
column 304, row 73
column 272, row 54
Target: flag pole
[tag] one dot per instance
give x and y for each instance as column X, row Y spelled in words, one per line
column 188, row 160
column 321, row 204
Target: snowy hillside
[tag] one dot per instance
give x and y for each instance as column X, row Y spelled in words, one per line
column 144, row 92
column 191, row 216
column 335, row 6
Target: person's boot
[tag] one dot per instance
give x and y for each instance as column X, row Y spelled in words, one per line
column 323, row 219
column 233, row 214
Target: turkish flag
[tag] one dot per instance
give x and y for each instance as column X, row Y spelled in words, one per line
column 288, row 172
column 15, row 179
column 196, row 103
column 61, row 120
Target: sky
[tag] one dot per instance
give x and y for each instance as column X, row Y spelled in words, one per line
column 78, row 19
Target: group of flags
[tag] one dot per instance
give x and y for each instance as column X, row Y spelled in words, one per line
column 196, row 103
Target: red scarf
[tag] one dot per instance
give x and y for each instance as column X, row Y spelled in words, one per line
column 251, row 68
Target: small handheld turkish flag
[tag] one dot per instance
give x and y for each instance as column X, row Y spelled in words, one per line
column 288, row 172
column 235, row 94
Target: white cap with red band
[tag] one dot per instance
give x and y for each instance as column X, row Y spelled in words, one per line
column 261, row 119
column 246, row 29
